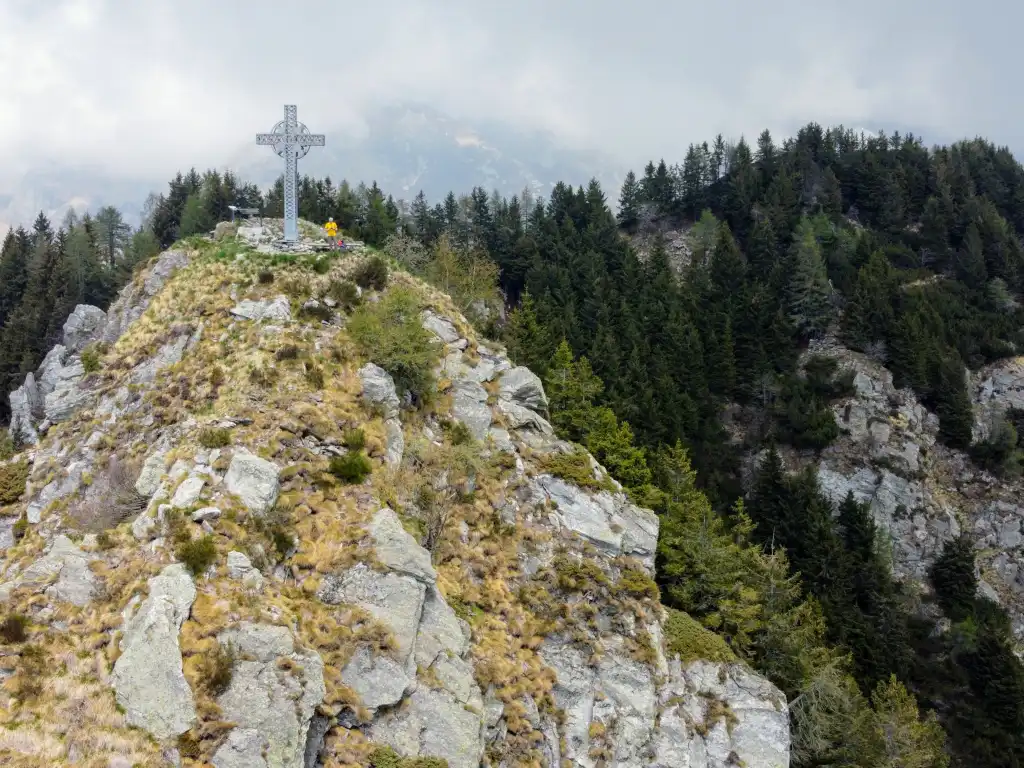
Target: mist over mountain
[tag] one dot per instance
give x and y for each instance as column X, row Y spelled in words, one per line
column 405, row 148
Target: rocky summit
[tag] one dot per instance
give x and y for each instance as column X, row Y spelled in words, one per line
column 288, row 510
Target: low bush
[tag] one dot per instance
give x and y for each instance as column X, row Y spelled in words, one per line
column 344, row 293
column 685, row 636
column 386, row 757
column 90, row 359
column 458, row 433
column 215, row 437
column 12, row 481
column 217, row 669
column 315, row 376
column 575, row 468
column 355, row 439
column 352, row 468
column 287, row 352
column 14, row 629
column 266, row 277
column 197, row 554
column 389, row 332
column 372, row 273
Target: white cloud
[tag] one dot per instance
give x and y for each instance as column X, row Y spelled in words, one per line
column 144, row 88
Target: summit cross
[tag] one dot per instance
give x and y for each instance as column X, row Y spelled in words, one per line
column 291, row 140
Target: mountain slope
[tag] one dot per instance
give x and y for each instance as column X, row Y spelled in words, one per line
column 241, row 541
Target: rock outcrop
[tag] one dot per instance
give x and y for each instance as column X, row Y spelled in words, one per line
column 246, row 607
column 922, row 493
column 148, row 676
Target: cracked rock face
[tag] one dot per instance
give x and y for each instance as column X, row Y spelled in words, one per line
column 148, row 676
column 271, row 703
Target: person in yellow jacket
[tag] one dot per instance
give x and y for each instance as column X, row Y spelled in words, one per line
column 332, row 230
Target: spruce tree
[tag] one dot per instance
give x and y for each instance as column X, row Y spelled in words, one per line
column 629, row 203
column 809, row 302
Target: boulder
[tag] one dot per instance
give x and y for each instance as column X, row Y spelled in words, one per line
column 26, row 405
column 152, row 471
column 240, row 568
column 523, row 387
column 49, row 370
column 380, row 681
column 273, row 693
column 169, row 354
column 379, row 390
column 441, row 327
column 757, row 734
column 395, row 448
column 469, row 406
column 67, row 396
column 277, row 309
column 393, row 599
column 224, row 230
column 62, row 572
column 83, row 326
column 607, row 521
column 148, row 677
column 188, row 492
column 398, row 550
column 254, row 480
column 432, row 723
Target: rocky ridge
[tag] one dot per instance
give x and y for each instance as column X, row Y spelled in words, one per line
column 921, row 492
column 188, row 582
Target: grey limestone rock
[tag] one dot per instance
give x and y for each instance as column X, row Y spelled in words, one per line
column 148, row 677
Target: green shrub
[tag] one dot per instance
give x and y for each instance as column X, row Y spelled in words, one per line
column 90, row 359
column 14, row 629
column 8, row 446
column 372, row 273
column 457, row 432
column 262, row 376
column 217, row 669
column 386, row 757
column 12, row 481
column 352, row 468
column 390, row 334
column 266, row 277
column 197, row 554
column 355, row 439
column 287, row 352
column 575, row 468
column 345, row 293
column 321, row 265
column 214, row 437
column 637, row 584
column 685, row 636
column 315, row 376
column 316, row 311
column 20, row 528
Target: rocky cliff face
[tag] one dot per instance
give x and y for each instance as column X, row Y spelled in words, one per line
column 196, row 575
column 921, row 492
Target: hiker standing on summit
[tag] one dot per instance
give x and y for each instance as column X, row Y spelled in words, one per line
column 332, row 231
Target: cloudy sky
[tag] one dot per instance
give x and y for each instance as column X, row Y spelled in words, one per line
column 143, row 88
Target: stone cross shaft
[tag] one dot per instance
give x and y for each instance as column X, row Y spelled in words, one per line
column 291, row 140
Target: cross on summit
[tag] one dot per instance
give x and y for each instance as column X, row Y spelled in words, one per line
column 291, row 140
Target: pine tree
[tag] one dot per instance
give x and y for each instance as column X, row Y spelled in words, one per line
column 529, row 343
column 953, row 404
column 905, row 740
column 629, row 203
column 952, row 575
column 810, row 306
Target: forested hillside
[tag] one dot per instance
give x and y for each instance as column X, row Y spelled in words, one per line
column 909, row 254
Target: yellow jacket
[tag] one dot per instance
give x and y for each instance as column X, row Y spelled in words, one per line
column 332, row 228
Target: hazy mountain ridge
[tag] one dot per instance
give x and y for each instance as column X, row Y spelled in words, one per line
column 407, row 148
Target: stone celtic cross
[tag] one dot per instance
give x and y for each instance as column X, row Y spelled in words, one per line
column 291, row 140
